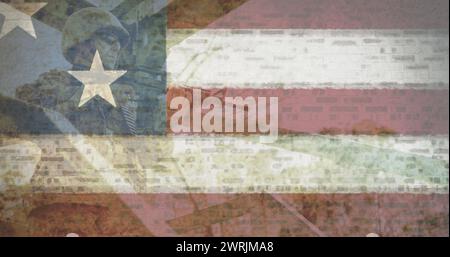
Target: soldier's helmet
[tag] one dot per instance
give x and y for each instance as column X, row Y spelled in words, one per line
column 83, row 25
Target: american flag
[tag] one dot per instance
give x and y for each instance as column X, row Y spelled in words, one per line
column 86, row 140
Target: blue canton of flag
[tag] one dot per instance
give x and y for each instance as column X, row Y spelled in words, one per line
column 83, row 67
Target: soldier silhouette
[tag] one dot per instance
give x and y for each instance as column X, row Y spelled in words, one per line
column 85, row 32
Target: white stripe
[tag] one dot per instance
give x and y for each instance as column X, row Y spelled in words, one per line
column 232, row 164
column 306, row 58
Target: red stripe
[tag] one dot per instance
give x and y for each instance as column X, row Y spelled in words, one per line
column 234, row 215
column 347, row 111
column 309, row 14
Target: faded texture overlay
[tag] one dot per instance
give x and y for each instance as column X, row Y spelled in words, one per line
column 86, row 145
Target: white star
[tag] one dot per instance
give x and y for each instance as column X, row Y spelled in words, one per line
column 97, row 81
column 15, row 18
